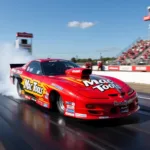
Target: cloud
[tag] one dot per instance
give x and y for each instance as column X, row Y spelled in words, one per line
column 82, row 25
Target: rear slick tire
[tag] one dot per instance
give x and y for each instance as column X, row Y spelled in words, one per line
column 18, row 88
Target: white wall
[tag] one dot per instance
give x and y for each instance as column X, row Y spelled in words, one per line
column 136, row 77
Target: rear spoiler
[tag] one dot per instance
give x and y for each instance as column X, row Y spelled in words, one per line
column 16, row 65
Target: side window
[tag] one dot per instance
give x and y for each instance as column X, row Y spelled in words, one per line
column 35, row 68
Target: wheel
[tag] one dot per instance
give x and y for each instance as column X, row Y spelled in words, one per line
column 57, row 102
column 60, row 105
column 18, row 88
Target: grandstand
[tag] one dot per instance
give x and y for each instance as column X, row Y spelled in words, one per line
column 138, row 52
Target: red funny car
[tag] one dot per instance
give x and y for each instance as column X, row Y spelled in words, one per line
column 73, row 90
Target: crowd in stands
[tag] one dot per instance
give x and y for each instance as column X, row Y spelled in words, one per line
column 138, row 50
column 146, row 55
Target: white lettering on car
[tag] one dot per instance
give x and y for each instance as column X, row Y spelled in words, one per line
column 101, row 84
column 36, row 88
column 92, row 82
column 28, row 85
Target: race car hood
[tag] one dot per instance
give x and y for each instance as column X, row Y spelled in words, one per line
column 101, row 88
column 94, row 86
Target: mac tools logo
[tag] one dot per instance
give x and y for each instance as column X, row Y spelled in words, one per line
column 33, row 87
column 102, row 84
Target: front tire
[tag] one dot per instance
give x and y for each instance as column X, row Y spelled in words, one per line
column 60, row 105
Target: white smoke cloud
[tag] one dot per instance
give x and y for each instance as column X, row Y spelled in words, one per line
column 8, row 55
column 83, row 25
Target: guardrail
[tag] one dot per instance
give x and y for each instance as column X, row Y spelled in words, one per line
column 134, row 68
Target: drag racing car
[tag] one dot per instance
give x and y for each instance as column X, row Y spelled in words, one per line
column 74, row 91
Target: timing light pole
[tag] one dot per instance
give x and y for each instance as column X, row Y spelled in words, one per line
column 147, row 18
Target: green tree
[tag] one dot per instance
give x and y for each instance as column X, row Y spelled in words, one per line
column 73, row 59
column 89, row 59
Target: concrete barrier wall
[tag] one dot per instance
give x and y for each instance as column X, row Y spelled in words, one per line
column 125, row 68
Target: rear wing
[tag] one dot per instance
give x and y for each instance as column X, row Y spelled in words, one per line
column 16, row 65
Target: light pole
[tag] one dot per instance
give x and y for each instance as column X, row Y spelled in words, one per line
column 147, row 18
column 148, row 8
column 100, row 55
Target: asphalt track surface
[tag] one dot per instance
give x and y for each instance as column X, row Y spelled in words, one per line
column 26, row 126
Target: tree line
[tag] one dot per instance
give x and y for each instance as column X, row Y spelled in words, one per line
column 94, row 61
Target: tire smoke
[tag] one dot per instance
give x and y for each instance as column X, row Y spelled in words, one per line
column 8, row 55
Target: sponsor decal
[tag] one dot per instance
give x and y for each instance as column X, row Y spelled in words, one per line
column 45, row 105
column 123, row 103
column 70, row 107
column 102, row 84
column 39, row 102
column 70, row 110
column 113, row 68
column 33, row 87
column 69, row 114
column 103, row 117
column 57, row 86
column 27, row 97
column 81, row 115
column 33, row 99
column 47, row 95
column 70, row 103
column 140, row 68
column 126, row 68
column 76, row 71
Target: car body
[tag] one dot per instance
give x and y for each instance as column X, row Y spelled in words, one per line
column 73, row 90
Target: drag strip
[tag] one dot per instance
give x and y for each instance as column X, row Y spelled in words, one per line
column 144, row 101
column 28, row 126
column 144, row 95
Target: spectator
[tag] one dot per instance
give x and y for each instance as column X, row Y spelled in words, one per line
column 100, row 65
column 88, row 65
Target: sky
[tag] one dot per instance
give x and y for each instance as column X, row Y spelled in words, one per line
column 75, row 28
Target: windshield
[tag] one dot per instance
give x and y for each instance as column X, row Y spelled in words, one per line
column 57, row 67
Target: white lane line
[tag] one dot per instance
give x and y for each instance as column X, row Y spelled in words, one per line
column 144, row 113
column 143, row 97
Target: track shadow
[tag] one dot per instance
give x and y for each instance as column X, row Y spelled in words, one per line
column 50, row 125
column 133, row 119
